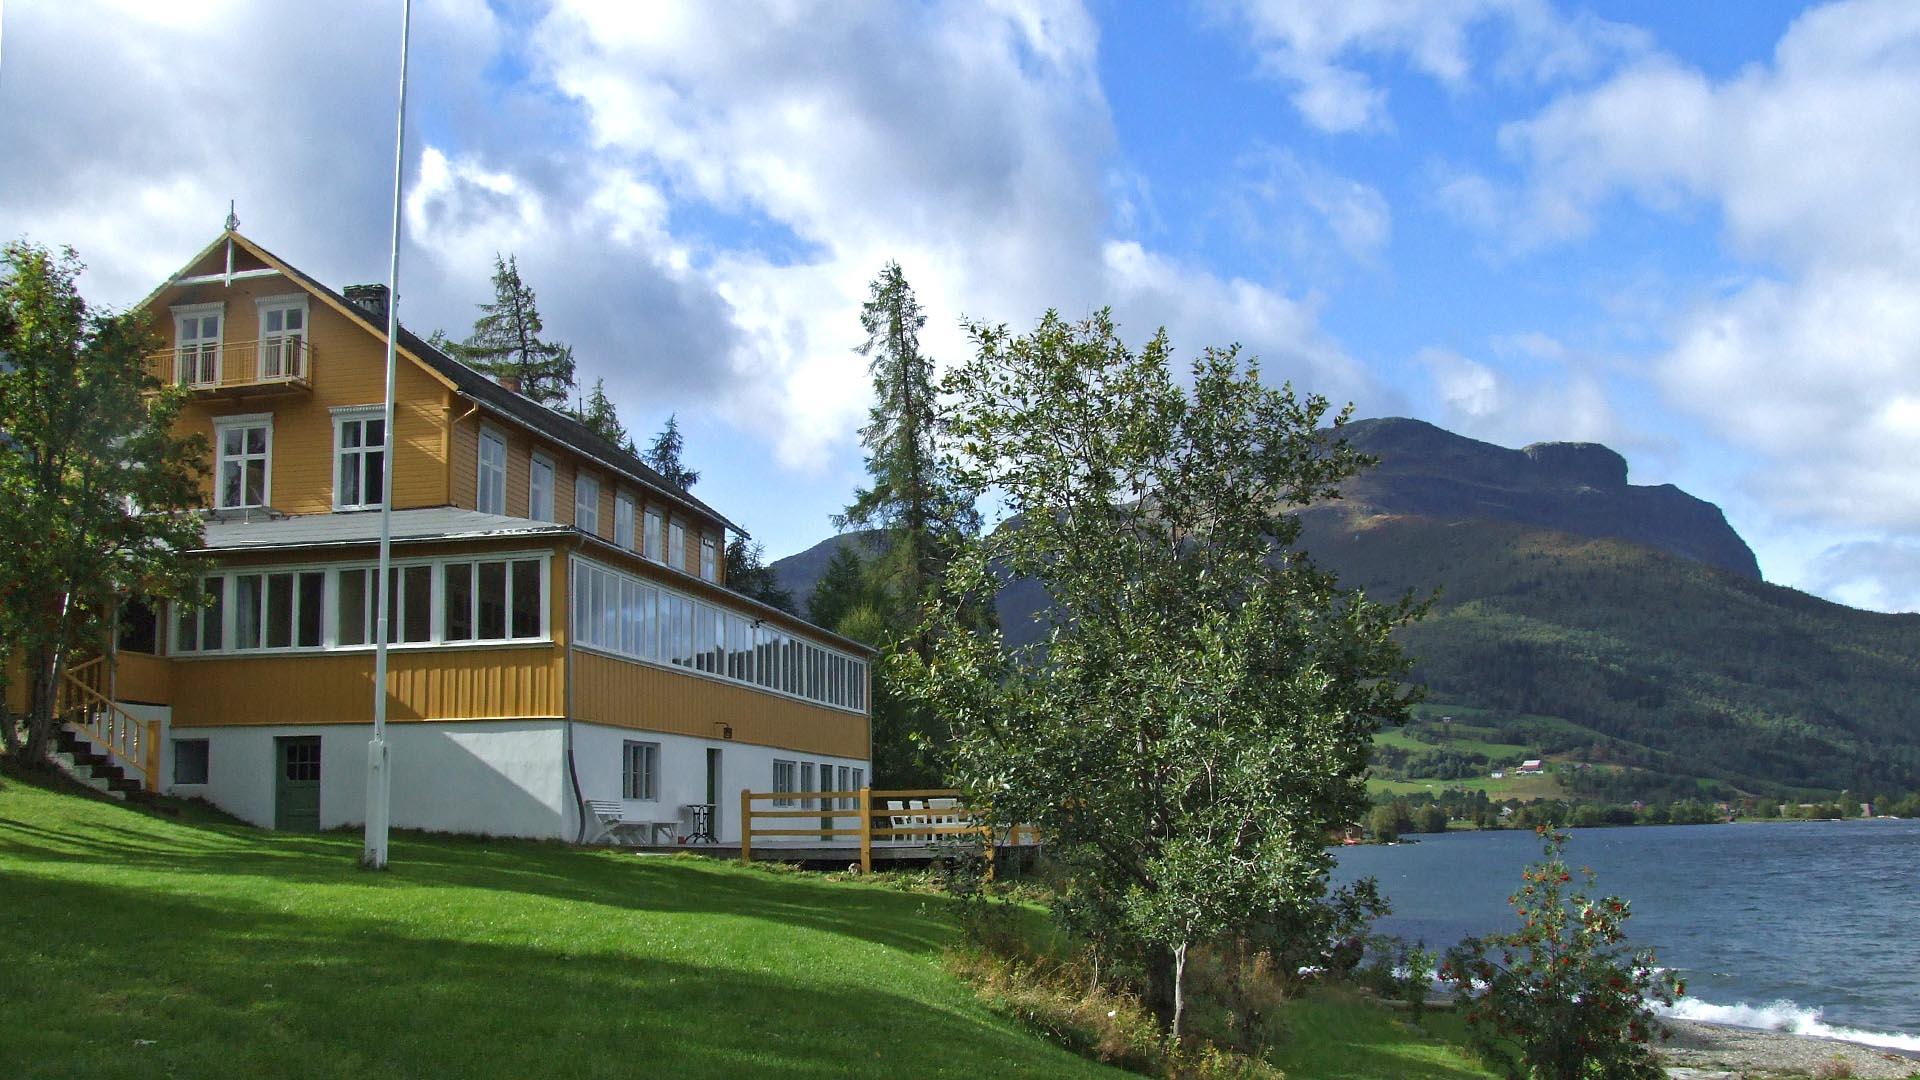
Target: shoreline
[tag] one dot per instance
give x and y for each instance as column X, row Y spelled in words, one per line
column 1718, row 1048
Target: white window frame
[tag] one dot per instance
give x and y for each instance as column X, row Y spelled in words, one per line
column 285, row 302
column 540, row 501
column 330, row 610
column 355, row 414
column 183, row 312
column 655, row 537
column 220, row 426
column 785, row 784
column 623, row 511
column 676, row 544
column 499, row 481
column 709, row 557
column 648, row 774
column 633, row 618
column 588, row 522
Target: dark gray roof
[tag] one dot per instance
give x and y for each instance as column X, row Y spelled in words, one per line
column 525, row 411
column 329, row 530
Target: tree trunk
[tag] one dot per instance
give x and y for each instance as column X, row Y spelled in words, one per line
column 48, row 663
column 1166, row 970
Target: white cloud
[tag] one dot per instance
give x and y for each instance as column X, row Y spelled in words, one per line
column 1552, row 402
column 1880, row 575
column 1316, row 47
column 1308, row 205
column 1812, row 358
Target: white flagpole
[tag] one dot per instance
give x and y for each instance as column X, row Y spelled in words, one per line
column 379, row 764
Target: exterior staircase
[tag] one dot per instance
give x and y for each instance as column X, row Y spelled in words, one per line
column 100, row 744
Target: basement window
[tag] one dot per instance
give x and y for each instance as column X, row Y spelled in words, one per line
column 190, row 761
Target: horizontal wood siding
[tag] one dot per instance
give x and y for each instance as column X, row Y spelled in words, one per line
column 622, row 693
column 449, row 684
column 347, row 366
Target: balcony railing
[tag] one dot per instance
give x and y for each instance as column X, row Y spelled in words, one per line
column 268, row 365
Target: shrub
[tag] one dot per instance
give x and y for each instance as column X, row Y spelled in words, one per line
column 1563, row 997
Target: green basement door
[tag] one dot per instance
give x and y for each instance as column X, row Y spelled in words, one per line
column 296, row 792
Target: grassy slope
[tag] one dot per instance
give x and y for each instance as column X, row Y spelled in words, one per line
column 243, row 953
column 1706, row 673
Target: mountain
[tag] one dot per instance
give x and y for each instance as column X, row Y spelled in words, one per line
column 1597, row 622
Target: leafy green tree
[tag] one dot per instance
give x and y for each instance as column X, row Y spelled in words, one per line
column 664, row 456
column 749, row 574
column 1197, row 717
column 97, row 493
column 506, row 340
column 1563, row 997
column 842, row 589
column 601, row 418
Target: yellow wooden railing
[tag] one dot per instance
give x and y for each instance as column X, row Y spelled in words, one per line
column 280, row 360
column 924, row 823
column 130, row 742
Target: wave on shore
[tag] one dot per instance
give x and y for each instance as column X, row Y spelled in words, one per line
column 1785, row 1016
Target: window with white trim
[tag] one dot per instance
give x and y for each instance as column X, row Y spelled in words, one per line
column 806, row 783
column 676, row 545
column 623, row 520
column 586, row 503
column 618, row 613
column 244, row 451
column 709, row 558
column 447, row 601
column 655, row 535
column 490, row 496
column 196, row 344
column 640, row 771
column 783, row 781
column 283, row 337
column 540, row 488
column 846, row 784
column 359, row 452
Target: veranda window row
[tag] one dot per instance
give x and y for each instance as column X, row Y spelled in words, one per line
column 438, row 602
column 630, row 617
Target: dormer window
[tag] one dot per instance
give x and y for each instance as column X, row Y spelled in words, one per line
column 244, row 449
column 196, row 344
column 283, row 337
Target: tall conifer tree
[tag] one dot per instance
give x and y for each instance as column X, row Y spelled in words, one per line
column 506, row 340
column 601, row 418
column 664, row 456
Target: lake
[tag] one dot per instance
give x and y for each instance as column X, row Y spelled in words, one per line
column 1809, row 927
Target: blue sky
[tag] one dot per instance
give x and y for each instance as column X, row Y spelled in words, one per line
column 1687, row 230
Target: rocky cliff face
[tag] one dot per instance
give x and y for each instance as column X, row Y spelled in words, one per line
column 1578, row 488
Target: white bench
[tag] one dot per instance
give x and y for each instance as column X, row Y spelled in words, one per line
column 614, row 823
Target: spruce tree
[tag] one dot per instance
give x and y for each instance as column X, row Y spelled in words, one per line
column 601, row 418
column 664, row 456
column 749, row 575
column 506, row 340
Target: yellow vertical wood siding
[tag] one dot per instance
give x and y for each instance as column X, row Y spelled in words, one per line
column 141, row 678
column 623, row 693
column 337, row 688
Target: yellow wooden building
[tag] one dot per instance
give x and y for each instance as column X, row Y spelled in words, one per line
column 562, row 630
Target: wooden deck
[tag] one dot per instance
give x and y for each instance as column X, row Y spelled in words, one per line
column 868, row 825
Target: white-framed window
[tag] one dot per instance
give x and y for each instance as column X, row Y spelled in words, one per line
column 640, row 771
column 540, row 488
column 623, row 520
column 434, row 602
column 676, row 545
column 196, row 343
column 618, row 613
column 283, row 336
column 586, row 503
column 359, row 455
column 244, row 453
column 490, row 496
column 709, row 557
column 784, row 773
column 846, row 784
column 656, row 538
column 806, row 783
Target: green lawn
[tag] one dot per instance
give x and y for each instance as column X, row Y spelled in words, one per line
column 138, row 945
column 1334, row 1036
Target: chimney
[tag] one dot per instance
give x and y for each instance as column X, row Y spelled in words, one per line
column 511, row 383
column 371, row 299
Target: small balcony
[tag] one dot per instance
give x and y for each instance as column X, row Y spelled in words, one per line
column 269, row 366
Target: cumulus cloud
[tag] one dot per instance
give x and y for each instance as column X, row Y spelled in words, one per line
column 1317, row 48
column 1811, row 359
column 1550, row 401
column 1310, row 209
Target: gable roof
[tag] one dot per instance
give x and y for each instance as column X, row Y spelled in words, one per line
column 479, row 388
